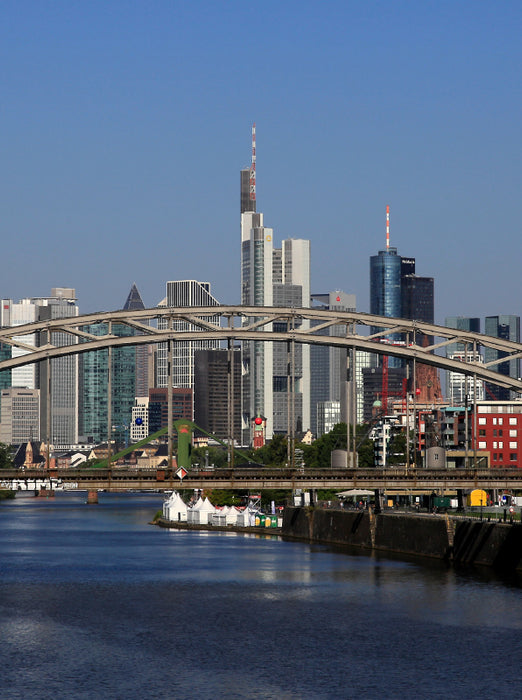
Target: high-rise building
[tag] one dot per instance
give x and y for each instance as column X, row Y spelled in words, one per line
column 272, row 277
column 211, row 391
column 397, row 291
column 506, row 327
column 94, row 380
column 458, row 388
column 417, row 298
column 256, row 290
column 328, row 364
column 143, row 353
column 182, row 406
column 21, row 415
column 63, row 370
column 183, row 293
column 291, row 364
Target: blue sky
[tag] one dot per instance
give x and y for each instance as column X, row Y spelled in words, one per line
column 125, row 125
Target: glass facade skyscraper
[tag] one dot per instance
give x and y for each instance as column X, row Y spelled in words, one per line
column 506, row 327
column 182, row 293
column 385, row 283
column 94, row 375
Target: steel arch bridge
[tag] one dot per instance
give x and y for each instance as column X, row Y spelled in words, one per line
column 61, row 337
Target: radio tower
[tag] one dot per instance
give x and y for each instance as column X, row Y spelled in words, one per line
column 387, row 225
column 253, row 166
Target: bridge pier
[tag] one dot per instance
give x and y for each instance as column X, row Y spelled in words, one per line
column 92, row 496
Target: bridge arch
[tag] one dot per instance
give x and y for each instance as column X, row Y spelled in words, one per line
column 247, row 323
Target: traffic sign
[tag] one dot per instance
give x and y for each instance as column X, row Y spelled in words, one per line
column 181, row 473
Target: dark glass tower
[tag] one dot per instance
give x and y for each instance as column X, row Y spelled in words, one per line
column 417, row 298
column 385, row 283
column 506, row 327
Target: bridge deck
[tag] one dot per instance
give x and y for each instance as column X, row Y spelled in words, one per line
column 119, row 479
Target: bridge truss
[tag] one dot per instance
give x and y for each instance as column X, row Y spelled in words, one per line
column 45, row 340
column 68, row 336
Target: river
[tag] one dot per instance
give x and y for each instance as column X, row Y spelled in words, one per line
column 97, row 603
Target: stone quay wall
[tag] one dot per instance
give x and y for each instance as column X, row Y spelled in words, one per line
column 455, row 540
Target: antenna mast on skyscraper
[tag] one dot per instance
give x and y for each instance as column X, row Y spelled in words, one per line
column 387, row 227
column 253, row 166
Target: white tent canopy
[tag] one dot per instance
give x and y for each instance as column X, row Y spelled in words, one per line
column 355, row 492
column 175, row 508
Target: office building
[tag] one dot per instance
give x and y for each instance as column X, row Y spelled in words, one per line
column 506, row 327
column 212, row 383
column 457, row 386
column 64, row 370
column 94, row 380
column 329, row 364
column 144, row 355
column 272, row 277
column 20, row 410
column 397, row 291
column 182, row 406
column 139, row 428
column 291, row 363
column 183, row 293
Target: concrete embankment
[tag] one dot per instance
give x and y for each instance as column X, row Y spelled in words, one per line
column 456, row 540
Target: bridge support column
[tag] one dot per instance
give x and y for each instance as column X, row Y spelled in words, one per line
column 92, row 496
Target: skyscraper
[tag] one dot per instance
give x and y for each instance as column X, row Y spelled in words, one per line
column 458, row 388
column 64, row 370
column 182, row 293
column 397, row 291
column 143, row 353
column 271, row 277
column 256, row 290
column 291, row 288
column 328, row 364
column 211, row 407
column 94, row 376
column 506, row 327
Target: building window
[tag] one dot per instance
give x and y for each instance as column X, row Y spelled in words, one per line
column 495, row 421
column 482, row 445
column 482, row 432
column 495, row 445
column 513, row 457
column 512, row 421
column 482, row 421
column 512, row 433
column 501, row 445
column 500, row 421
column 513, row 445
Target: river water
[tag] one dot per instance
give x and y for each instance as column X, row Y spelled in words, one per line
column 97, row 603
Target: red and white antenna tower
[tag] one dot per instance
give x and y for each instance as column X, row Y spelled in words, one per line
column 253, row 166
column 387, row 227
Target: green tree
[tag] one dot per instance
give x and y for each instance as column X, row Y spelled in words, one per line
column 6, row 458
column 215, row 455
column 274, row 453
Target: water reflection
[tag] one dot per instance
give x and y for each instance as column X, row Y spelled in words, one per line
column 96, row 602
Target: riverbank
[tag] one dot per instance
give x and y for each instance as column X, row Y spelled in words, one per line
column 6, row 494
column 459, row 541
column 161, row 522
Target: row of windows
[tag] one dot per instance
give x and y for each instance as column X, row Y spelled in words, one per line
column 513, row 445
column 513, row 420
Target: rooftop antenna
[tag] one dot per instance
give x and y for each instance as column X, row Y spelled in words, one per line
column 387, row 227
column 253, row 166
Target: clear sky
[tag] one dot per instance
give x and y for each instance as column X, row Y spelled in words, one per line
column 125, row 125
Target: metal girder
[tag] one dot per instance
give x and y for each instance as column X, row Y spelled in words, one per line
column 247, row 323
